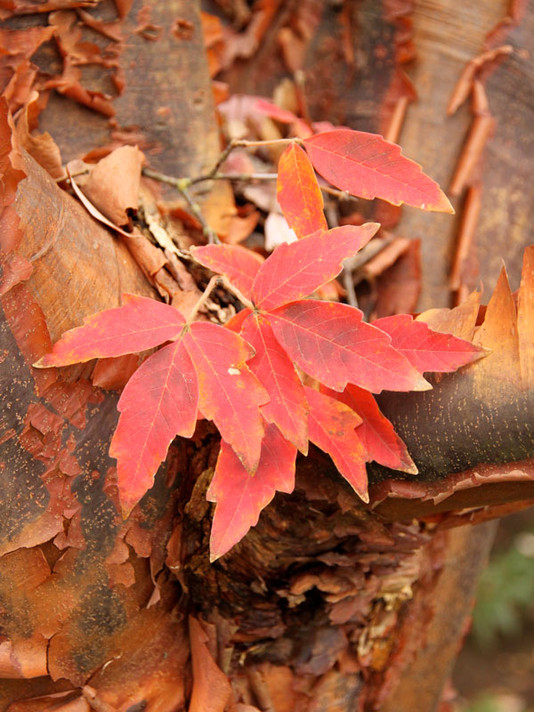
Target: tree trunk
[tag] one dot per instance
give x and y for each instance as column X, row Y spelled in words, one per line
column 327, row 604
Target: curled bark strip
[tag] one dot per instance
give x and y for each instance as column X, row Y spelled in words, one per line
column 397, row 119
column 470, row 215
column 481, row 130
column 465, row 83
column 477, row 488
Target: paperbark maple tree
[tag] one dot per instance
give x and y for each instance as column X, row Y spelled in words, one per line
column 206, row 366
column 314, row 600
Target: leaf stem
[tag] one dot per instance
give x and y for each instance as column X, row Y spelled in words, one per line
column 208, row 232
column 340, row 194
column 230, row 287
column 242, row 143
column 214, row 281
column 266, row 142
column 235, row 176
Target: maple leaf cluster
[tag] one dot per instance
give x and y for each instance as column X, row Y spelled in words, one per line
column 286, row 370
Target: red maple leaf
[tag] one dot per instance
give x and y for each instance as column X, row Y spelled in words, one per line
column 376, row 432
column 331, row 343
column 333, row 428
column 296, row 270
column 204, row 367
column 247, row 377
column 240, row 496
column 287, row 407
column 137, row 325
column 298, row 192
column 167, row 386
column 368, row 166
column 425, row 349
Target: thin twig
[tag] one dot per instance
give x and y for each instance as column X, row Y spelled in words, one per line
column 65, row 176
column 234, row 176
column 208, row 232
column 348, row 283
column 243, row 143
column 178, row 183
column 230, row 287
column 214, row 281
column 222, row 158
column 181, row 185
column 341, row 194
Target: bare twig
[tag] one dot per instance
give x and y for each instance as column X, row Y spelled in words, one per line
column 242, row 143
column 215, row 281
column 230, row 287
column 341, row 194
column 182, row 185
column 234, row 176
column 178, row 183
column 348, row 284
column 207, row 230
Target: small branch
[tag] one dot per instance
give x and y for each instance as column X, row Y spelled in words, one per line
column 268, row 142
column 222, row 158
column 242, row 143
column 234, row 177
column 65, row 176
column 182, row 185
column 348, row 284
column 178, row 183
column 230, row 287
column 214, row 281
column 208, row 232
column 341, row 194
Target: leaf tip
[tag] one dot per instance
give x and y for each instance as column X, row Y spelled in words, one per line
column 422, row 385
column 364, row 495
column 214, row 556
column 443, row 205
column 373, row 227
column 410, row 468
column 126, row 507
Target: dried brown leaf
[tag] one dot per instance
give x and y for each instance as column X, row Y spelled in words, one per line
column 460, row 321
column 113, row 185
